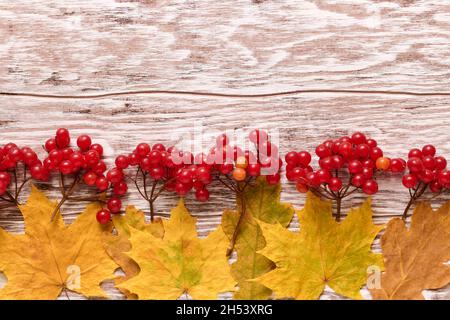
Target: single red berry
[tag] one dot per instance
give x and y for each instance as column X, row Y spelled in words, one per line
column 103, row 216
column 114, row 205
column 371, row 143
column 327, row 163
column 426, row 176
column 358, row 138
column 155, row 157
column 397, row 165
column 428, row 162
column 346, row 149
column 91, row 158
column 376, row 153
column 202, row 194
column 313, row 179
column 97, row 147
column 182, row 188
column 66, row 152
column 5, row 177
column 367, row 173
column 354, row 166
column 62, row 138
column 370, row 187
column 323, row 175
column 55, row 156
column 120, row 188
column 66, row 167
column 304, row 158
column 440, row 163
column 90, row 178
column 291, row 157
column 358, row 180
column 99, row 168
column 184, row 176
column 50, row 144
column 362, row 151
column 435, row 187
column 337, row 161
column 203, row 174
column 335, row 184
column 428, row 150
column 157, row 173
column 415, row 153
column 102, row 184
column 322, row 151
column 115, row 175
column 159, row 147
column 415, row 165
column 38, row 172
column 29, row 157
column 122, row 161
column 254, row 169
column 273, row 179
column 295, row 173
column 409, row 180
column 84, row 142
column 443, row 178
column 226, row 168
column 77, row 158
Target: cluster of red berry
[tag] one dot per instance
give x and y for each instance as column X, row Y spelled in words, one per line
column 85, row 161
column 355, row 158
column 170, row 168
column 240, row 165
column 426, row 171
column 180, row 171
column 10, row 158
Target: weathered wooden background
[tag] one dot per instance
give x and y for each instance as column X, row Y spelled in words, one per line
column 310, row 69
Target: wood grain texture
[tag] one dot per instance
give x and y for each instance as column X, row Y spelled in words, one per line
column 232, row 47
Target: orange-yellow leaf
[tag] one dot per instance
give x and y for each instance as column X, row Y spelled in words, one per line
column 51, row 256
column 179, row 262
column 324, row 252
column 262, row 201
column 118, row 245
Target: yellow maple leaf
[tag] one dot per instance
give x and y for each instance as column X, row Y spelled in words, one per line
column 179, row 262
column 262, row 201
column 416, row 258
column 118, row 245
column 324, row 252
column 51, row 256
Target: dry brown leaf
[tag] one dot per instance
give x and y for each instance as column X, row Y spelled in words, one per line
column 416, row 258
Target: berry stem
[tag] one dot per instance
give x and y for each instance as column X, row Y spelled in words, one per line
column 338, row 208
column 151, row 199
column 418, row 192
column 66, row 194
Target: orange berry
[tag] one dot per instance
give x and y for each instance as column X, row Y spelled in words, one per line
column 241, row 162
column 383, row 163
column 239, row 174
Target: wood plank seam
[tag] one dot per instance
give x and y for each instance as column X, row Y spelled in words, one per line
column 218, row 94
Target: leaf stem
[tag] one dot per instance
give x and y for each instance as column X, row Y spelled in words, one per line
column 230, row 248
